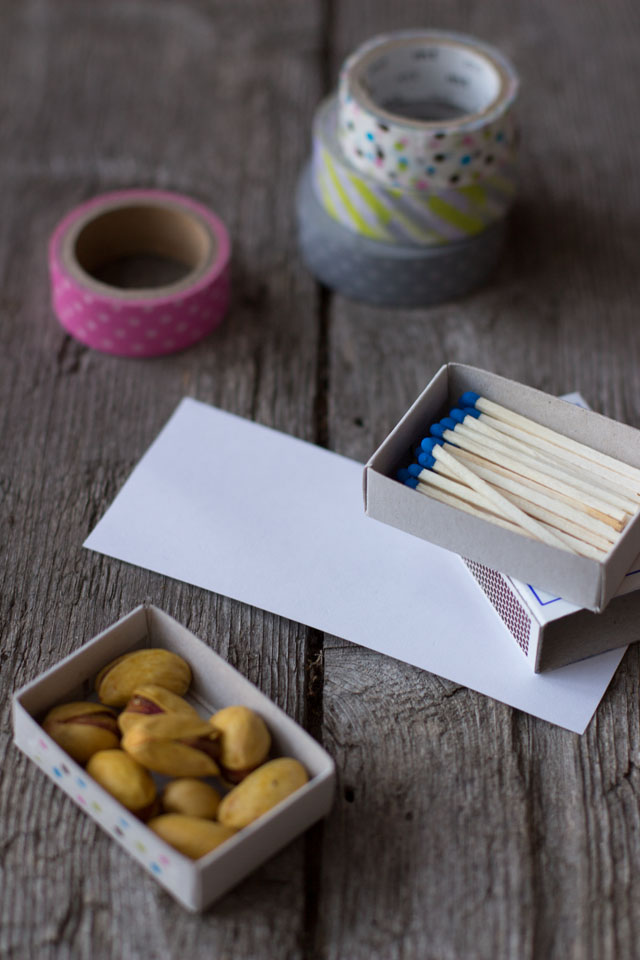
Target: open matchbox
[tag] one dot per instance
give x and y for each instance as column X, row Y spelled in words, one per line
column 196, row 884
column 580, row 580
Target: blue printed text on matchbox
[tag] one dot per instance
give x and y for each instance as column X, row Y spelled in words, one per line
column 543, row 603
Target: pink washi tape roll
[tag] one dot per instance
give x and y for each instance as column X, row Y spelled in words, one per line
column 139, row 322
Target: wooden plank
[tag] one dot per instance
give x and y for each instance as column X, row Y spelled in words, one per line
column 467, row 829
column 435, row 843
column 213, row 102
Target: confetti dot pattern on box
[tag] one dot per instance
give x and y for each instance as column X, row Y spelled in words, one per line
column 133, row 835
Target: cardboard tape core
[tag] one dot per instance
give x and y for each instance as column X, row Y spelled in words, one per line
column 139, row 230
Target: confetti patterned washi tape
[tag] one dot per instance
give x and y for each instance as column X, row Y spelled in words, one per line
column 427, row 110
column 403, row 215
column 139, row 322
column 390, row 274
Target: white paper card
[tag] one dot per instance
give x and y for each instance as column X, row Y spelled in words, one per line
column 237, row 508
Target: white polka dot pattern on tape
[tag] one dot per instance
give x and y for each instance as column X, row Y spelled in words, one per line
column 150, row 322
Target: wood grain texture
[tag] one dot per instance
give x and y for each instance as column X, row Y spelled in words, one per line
column 461, row 828
column 215, row 104
column 484, row 832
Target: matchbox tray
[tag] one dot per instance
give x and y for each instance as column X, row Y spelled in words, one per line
column 216, row 684
column 583, row 581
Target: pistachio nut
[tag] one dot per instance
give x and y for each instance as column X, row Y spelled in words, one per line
column 125, row 779
column 192, row 797
column 148, row 701
column 192, row 836
column 260, row 791
column 175, row 744
column 244, row 741
column 82, row 728
column 117, row 681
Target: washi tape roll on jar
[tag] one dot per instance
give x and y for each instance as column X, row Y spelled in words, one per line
column 390, row 274
column 397, row 214
column 148, row 321
column 427, row 110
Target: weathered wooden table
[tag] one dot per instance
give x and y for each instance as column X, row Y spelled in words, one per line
column 461, row 828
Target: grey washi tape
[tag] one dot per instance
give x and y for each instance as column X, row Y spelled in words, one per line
column 389, row 274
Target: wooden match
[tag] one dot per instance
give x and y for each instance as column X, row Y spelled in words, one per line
column 555, row 481
column 471, row 399
column 581, row 477
column 495, row 464
column 454, row 494
column 507, row 509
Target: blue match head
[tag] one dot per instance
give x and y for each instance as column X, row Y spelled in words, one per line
column 402, row 474
column 468, row 399
column 430, row 442
column 438, row 429
column 457, row 414
column 411, row 482
column 426, row 460
column 414, row 470
column 473, row 412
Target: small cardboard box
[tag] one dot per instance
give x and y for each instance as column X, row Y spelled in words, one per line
column 196, row 884
column 583, row 581
column 552, row 632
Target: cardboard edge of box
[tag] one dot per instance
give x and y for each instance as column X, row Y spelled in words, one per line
column 584, row 633
column 580, row 634
column 583, row 581
column 576, row 635
column 195, row 884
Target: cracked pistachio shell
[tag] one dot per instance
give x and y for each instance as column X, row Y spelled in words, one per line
column 174, row 744
column 195, row 798
column 261, row 791
column 117, row 681
column 192, row 836
column 82, row 728
column 150, row 700
column 244, row 741
column 125, row 779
